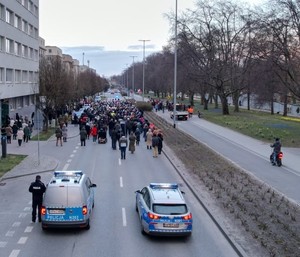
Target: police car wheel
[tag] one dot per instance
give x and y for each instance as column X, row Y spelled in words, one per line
column 88, row 225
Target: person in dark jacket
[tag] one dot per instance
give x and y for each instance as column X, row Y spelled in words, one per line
column 83, row 135
column 276, row 149
column 114, row 139
column 37, row 188
column 160, row 143
column 123, row 142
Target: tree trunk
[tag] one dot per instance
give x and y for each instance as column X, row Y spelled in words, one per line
column 225, row 107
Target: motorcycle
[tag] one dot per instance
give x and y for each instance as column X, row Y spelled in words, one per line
column 278, row 159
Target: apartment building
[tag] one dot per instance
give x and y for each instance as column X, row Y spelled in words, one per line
column 19, row 57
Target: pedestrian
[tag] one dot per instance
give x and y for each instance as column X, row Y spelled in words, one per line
column 9, row 132
column 83, row 136
column 113, row 139
column 64, row 131
column 137, row 135
column 123, row 142
column 20, row 136
column 15, row 130
column 88, row 130
column 132, row 140
column 149, row 135
column 155, row 142
column 160, row 143
column 94, row 132
column 26, row 133
column 58, row 134
column 37, row 188
column 145, row 130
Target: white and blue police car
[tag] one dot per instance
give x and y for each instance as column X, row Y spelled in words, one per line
column 68, row 200
column 162, row 210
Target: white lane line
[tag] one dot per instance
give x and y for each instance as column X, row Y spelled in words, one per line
column 30, row 202
column 22, row 240
column 66, row 166
column 10, row 233
column 74, row 151
column 16, row 224
column 120, row 161
column 27, row 209
column 124, row 217
column 3, row 244
column 28, row 229
column 22, row 215
column 69, row 160
column 72, row 155
column 14, row 253
column 121, row 182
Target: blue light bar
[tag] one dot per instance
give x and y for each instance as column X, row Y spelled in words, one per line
column 164, row 185
column 68, row 173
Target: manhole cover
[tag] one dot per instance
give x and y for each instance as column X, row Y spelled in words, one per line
column 2, row 184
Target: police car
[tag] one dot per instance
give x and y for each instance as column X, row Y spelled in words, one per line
column 163, row 211
column 68, row 200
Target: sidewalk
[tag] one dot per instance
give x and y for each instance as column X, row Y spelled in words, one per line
column 36, row 161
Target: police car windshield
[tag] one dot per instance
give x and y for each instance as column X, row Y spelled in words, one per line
column 167, row 209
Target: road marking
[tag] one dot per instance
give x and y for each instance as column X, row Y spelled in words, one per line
column 74, row 151
column 22, row 240
column 124, row 217
column 3, row 244
column 121, row 182
column 66, row 166
column 27, row 209
column 14, row 253
column 69, row 160
column 22, row 215
column 10, row 233
column 72, row 155
column 16, row 224
column 28, row 229
column 120, row 161
column 30, row 202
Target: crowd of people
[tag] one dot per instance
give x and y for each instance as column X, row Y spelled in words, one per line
column 19, row 129
column 119, row 120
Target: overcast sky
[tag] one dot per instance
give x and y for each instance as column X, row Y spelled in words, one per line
column 112, row 26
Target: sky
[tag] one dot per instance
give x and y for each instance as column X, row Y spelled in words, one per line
column 108, row 31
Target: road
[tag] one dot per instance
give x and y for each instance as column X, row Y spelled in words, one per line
column 249, row 154
column 115, row 229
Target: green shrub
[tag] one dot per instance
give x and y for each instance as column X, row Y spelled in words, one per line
column 144, row 106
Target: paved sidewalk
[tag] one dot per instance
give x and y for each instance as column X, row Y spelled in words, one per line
column 36, row 161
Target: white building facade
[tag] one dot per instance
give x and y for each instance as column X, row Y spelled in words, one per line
column 19, row 56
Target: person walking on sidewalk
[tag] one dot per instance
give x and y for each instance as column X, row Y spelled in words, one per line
column 155, row 143
column 20, row 136
column 64, row 131
column 132, row 139
column 149, row 135
column 123, row 142
column 37, row 188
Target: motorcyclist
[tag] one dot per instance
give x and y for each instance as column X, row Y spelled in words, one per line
column 276, row 149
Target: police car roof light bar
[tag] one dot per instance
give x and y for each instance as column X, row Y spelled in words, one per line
column 164, row 185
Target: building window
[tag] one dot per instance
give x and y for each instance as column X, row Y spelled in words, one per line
column 9, row 16
column 1, row 75
column 18, row 49
column 2, row 12
column 31, row 77
column 24, row 76
column 17, row 22
column 18, row 76
column 26, row 100
column 2, row 44
column 24, row 26
column 19, row 102
column 30, row 52
column 9, row 75
column 24, row 51
column 9, row 44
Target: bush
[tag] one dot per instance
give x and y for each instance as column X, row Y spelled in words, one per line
column 144, row 106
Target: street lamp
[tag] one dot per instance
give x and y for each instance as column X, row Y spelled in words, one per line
column 144, row 41
column 175, row 69
column 133, row 56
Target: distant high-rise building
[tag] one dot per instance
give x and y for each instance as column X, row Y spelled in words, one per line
column 19, row 57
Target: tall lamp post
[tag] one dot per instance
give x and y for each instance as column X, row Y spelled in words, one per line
column 175, row 69
column 144, row 41
column 133, row 56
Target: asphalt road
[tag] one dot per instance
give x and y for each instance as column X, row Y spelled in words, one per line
column 249, row 154
column 115, row 229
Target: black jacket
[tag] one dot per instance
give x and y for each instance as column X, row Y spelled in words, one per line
column 37, row 189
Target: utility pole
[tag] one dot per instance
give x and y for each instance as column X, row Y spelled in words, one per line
column 144, row 41
column 133, row 56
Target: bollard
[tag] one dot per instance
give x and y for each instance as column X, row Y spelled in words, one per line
column 3, row 142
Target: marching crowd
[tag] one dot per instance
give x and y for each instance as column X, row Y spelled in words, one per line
column 121, row 121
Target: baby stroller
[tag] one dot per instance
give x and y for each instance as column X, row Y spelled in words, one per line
column 102, row 139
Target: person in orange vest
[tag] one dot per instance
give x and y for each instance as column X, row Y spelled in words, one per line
column 190, row 111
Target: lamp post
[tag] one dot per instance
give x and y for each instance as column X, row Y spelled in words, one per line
column 175, row 69
column 133, row 56
column 144, row 41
